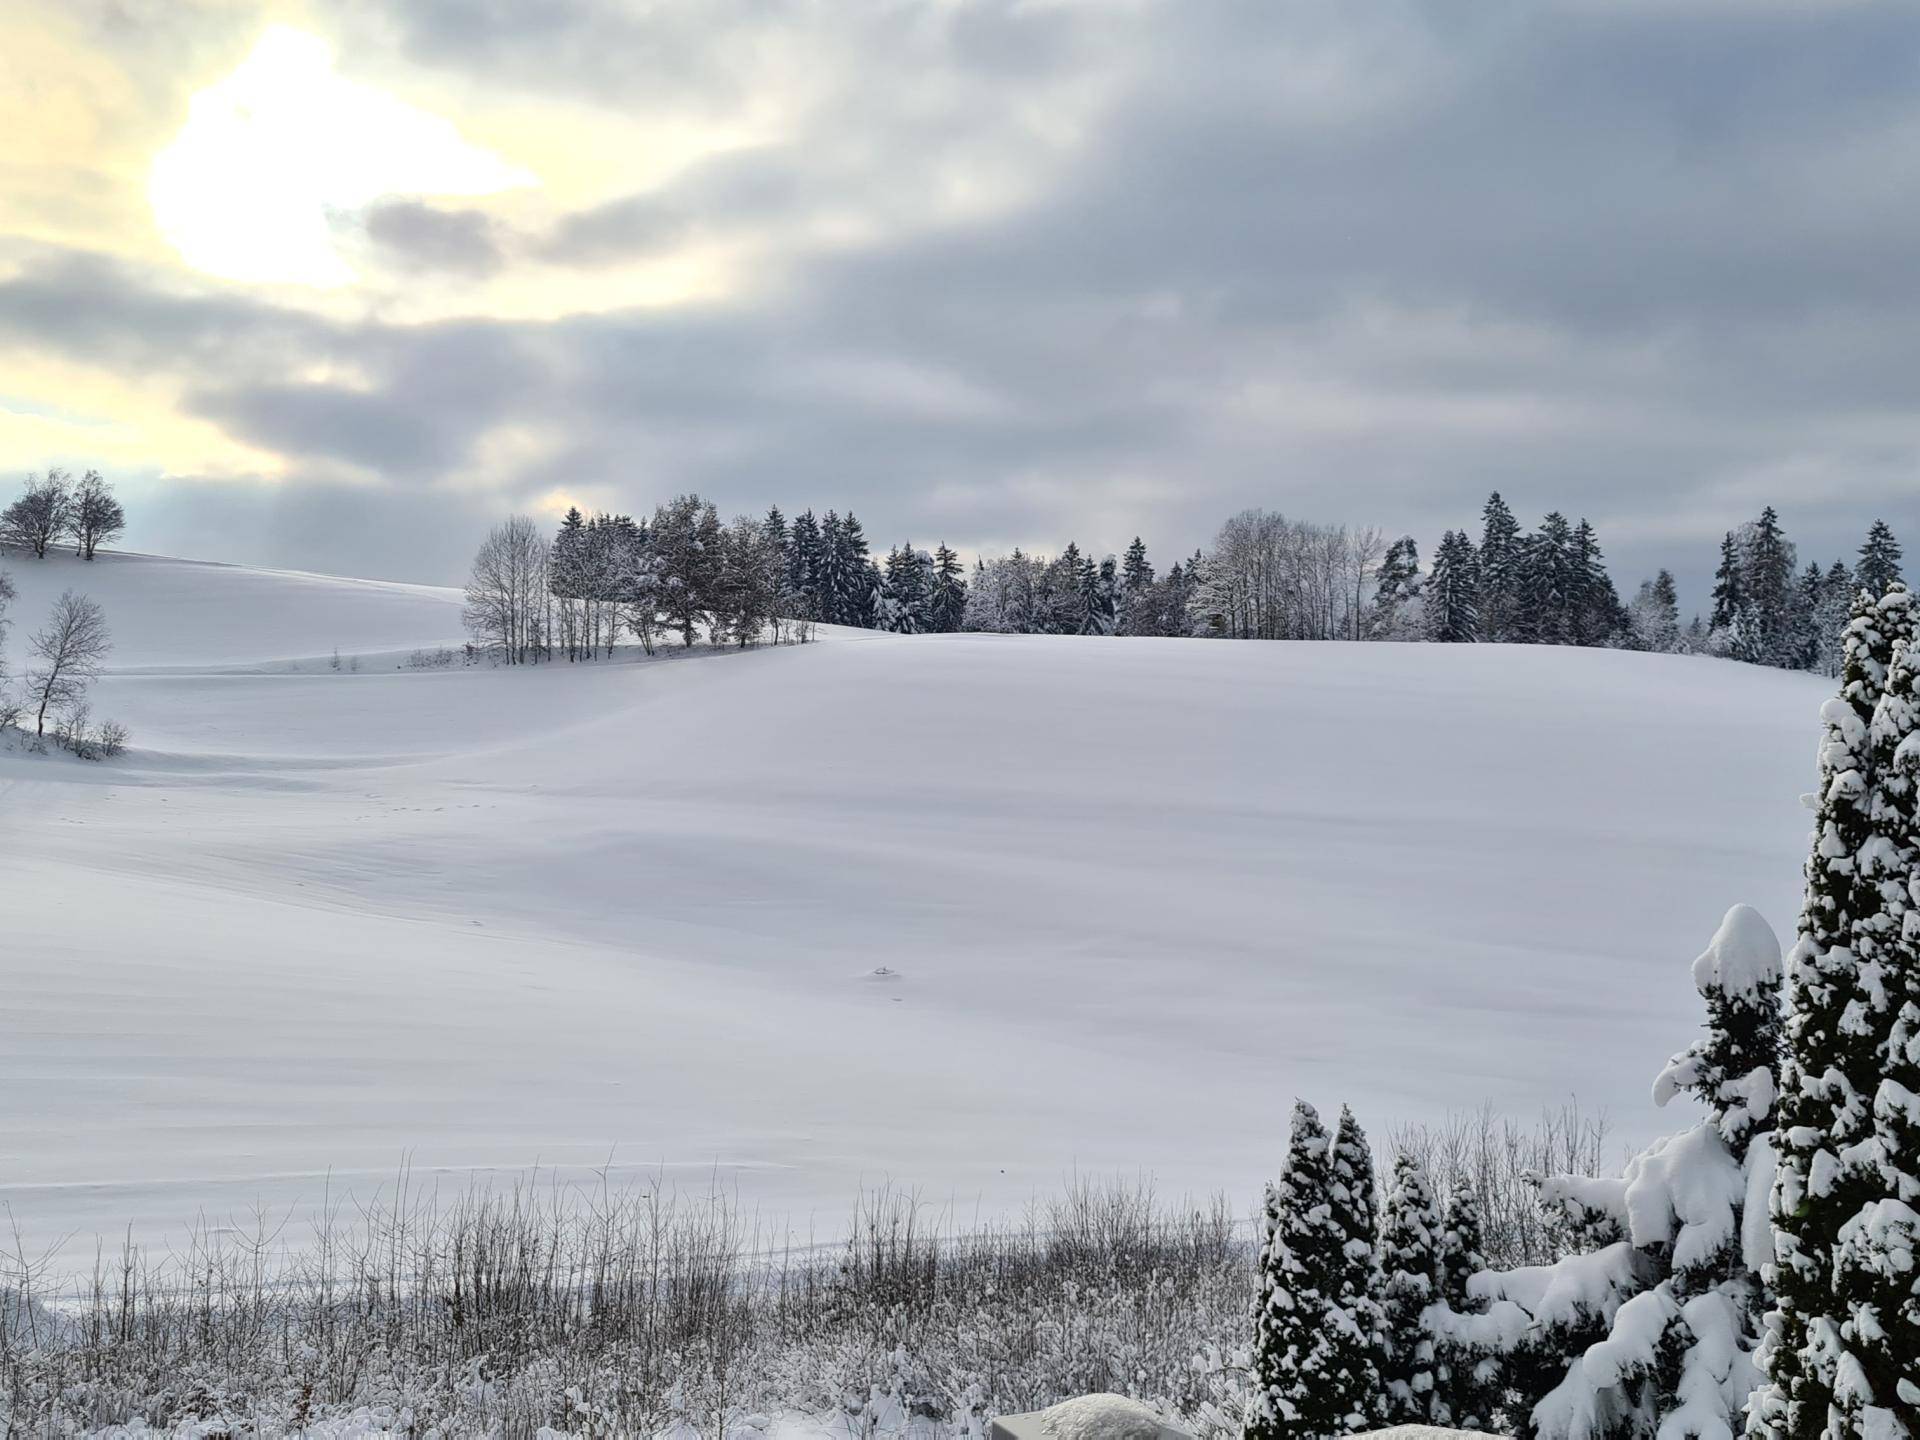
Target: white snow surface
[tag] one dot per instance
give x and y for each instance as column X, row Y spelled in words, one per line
column 1103, row 1417
column 1134, row 896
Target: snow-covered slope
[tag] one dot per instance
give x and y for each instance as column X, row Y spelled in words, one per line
column 962, row 912
column 194, row 613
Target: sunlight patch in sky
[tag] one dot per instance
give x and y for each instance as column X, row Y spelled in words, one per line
column 275, row 155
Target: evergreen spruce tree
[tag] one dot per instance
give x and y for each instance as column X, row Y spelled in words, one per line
column 804, row 565
column 831, row 582
column 1396, row 593
column 866, row 595
column 566, row 565
column 1101, row 597
column 1763, row 630
column 1803, row 620
column 1451, row 603
column 1880, row 557
column 906, row 592
column 1466, row 1385
column 1302, row 1336
column 1834, row 610
column 1060, row 595
column 857, row 600
column 1597, row 617
column 1356, row 1207
column 1656, row 615
column 1833, row 1067
column 1727, row 598
column 1877, row 1260
column 1411, row 1239
column 1135, row 608
column 1500, row 566
column 1551, row 585
column 948, row 610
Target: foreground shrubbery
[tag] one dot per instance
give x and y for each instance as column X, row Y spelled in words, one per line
column 610, row 1312
column 605, row 1311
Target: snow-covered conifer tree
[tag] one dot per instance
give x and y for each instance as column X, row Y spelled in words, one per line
column 1876, row 1266
column 1551, row 585
column 1880, row 557
column 1596, row 612
column 1501, row 561
column 1655, row 615
column 1396, row 593
column 1654, row 1333
column 1451, row 604
column 1832, row 1066
column 1356, row 1208
column 1466, row 1385
column 804, row 565
column 947, row 609
column 1301, row 1332
column 1411, row 1236
column 1100, row 594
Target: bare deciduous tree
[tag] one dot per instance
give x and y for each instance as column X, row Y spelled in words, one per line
column 1271, row 578
column 507, row 593
column 41, row 515
column 65, row 656
column 97, row 517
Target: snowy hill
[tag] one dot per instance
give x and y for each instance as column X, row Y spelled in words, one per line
column 962, row 912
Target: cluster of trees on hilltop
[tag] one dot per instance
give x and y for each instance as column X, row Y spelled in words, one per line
column 1266, row 576
column 679, row 572
column 54, row 507
column 1552, row 588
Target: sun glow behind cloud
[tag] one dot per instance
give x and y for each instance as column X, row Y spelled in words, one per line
column 274, row 157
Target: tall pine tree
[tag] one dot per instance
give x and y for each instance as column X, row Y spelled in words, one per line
column 1356, row 1207
column 1832, row 1067
column 1396, row 593
column 1467, row 1387
column 1726, row 586
column 1411, row 1236
column 949, row 605
column 1303, row 1338
column 1501, row 562
column 1879, row 563
column 1877, row 1263
column 1451, row 605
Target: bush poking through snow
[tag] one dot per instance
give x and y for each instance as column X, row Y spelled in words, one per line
column 628, row 1312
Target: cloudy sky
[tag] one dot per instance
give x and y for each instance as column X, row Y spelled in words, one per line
column 335, row 285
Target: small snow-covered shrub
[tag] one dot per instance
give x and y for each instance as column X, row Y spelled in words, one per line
column 71, row 729
column 110, row 739
column 441, row 659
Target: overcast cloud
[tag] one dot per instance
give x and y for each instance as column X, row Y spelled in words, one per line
column 1004, row 272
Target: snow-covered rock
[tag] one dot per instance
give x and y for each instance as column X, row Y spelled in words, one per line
column 1091, row 1417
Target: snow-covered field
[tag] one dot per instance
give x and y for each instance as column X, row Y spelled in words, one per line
column 958, row 912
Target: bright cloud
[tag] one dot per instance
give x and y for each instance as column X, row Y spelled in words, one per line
column 275, row 155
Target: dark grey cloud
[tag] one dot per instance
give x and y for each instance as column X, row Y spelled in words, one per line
column 1646, row 263
column 418, row 236
column 758, row 186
